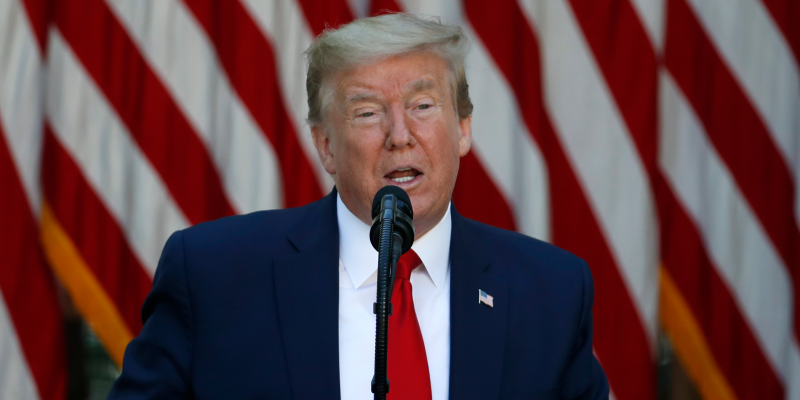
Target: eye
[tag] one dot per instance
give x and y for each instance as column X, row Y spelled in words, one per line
column 424, row 106
column 367, row 114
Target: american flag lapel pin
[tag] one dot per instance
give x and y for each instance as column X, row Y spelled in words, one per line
column 485, row 298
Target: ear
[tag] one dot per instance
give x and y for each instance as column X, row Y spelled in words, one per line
column 465, row 135
column 323, row 144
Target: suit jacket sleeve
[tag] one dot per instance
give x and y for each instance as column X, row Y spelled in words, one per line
column 584, row 378
column 157, row 364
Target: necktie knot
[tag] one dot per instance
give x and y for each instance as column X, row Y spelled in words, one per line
column 407, row 263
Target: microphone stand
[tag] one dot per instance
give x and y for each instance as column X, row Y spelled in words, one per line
column 390, row 250
column 391, row 234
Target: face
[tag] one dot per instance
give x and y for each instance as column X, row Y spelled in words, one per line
column 394, row 123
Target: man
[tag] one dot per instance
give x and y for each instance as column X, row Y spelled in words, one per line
column 254, row 306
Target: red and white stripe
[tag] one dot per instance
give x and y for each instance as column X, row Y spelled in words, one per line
column 32, row 358
column 286, row 30
column 21, row 93
column 744, row 203
column 737, row 245
column 637, row 134
column 178, row 50
column 623, row 205
column 89, row 131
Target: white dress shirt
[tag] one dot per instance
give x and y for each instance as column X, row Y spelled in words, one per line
column 358, row 275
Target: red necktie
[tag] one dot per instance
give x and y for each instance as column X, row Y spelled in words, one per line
column 409, row 378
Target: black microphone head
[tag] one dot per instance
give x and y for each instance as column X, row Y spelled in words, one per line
column 404, row 217
column 399, row 193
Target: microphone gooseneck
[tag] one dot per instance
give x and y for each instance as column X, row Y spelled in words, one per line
column 391, row 234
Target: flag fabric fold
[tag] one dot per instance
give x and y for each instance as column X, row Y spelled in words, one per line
column 659, row 140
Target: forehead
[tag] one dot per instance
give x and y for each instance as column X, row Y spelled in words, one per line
column 393, row 76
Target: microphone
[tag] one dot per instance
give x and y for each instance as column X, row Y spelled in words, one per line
column 392, row 205
column 396, row 207
column 391, row 234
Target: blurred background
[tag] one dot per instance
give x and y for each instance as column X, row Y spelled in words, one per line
column 657, row 139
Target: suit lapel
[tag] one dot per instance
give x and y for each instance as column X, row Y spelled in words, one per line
column 308, row 303
column 477, row 331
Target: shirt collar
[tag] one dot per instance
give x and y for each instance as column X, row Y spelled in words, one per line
column 360, row 260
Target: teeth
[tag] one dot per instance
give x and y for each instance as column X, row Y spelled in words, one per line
column 403, row 179
column 404, row 169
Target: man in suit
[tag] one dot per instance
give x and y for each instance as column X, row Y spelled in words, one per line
column 254, row 306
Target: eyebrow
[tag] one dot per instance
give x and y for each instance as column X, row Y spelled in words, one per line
column 355, row 98
column 420, row 85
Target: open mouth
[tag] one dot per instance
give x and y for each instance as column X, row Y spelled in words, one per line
column 403, row 175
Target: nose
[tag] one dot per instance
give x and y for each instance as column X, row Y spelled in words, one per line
column 398, row 131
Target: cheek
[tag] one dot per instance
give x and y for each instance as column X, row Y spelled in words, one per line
column 448, row 143
column 360, row 152
column 442, row 152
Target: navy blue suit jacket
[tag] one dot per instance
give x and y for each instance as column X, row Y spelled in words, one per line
column 246, row 307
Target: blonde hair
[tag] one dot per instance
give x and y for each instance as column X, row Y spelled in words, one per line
column 369, row 40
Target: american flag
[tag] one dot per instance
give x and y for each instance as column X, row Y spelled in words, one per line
column 485, row 298
column 657, row 139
